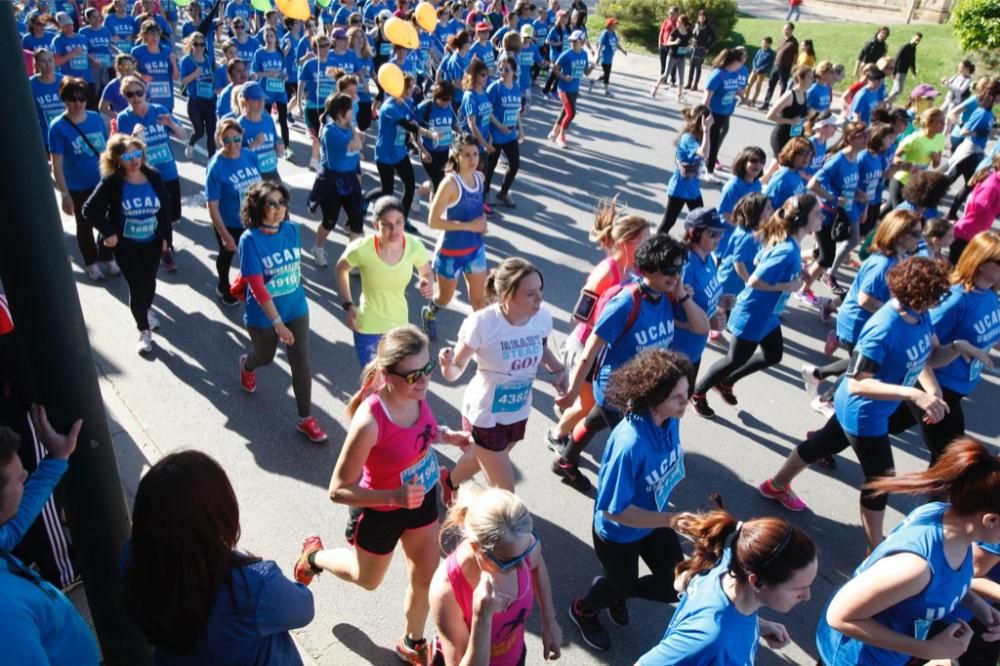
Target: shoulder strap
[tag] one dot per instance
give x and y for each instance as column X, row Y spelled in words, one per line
column 96, row 152
column 635, row 289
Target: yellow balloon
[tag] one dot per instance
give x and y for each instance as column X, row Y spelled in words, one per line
column 426, row 16
column 390, row 77
column 296, row 9
column 401, row 33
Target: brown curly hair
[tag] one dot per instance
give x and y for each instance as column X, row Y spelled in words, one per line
column 919, row 283
column 253, row 212
column 646, row 380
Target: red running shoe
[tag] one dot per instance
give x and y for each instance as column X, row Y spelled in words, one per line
column 304, row 572
column 248, row 379
column 311, row 429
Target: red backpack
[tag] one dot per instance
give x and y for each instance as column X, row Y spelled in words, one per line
column 635, row 289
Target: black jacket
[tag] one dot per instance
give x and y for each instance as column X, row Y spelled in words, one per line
column 872, row 51
column 906, row 58
column 103, row 209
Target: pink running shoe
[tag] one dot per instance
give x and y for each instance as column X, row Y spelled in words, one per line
column 304, row 571
column 831, row 343
column 785, row 496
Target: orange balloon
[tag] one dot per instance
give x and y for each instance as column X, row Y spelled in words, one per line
column 401, row 33
column 390, row 77
column 296, row 9
column 426, row 16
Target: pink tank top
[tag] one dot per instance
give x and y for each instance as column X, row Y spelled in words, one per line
column 582, row 331
column 397, row 449
column 507, row 641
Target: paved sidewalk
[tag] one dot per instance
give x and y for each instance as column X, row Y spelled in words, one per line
column 813, row 10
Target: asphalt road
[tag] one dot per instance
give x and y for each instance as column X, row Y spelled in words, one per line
column 186, row 394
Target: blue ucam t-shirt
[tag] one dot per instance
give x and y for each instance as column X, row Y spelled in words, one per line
column 158, row 151
column 440, row 119
column 98, row 44
column 865, row 101
column 707, row 629
column 156, row 65
column 274, row 86
column 485, row 53
column 653, row 329
column 871, row 280
column 227, row 180
column 573, row 63
column 347, row 61
column 785, row 184
column 317, row 85
column 333, row 152
column 743, row 247
column 641, row 466
column 735, row 189
column 390, row 140
column 757, row 312
column 724, row 86
column 900, row 350
column 819, row 97
column 839, row 177
column 48, row 106
column 972, row 315
column 980, row 124
column 477, row 110
column 202, row 87
column 922, row 534
column 607, row 45
column 685, row 181
column 78, row 65
column 123, row 28
column 702, row 276
column 871, row 169
column 277, row 258
column 80, row 160
column 528, row 57
column 507, row 109
column 267, row 156
column 819, row 155
column 139, row 208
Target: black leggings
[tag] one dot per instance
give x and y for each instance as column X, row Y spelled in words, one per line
column 386, row 176
column 550, row 83
column 664, row 54
column 742, row 361
column 225, row 258
column 139, row 263
column 513, row 152
column 201, row 113
column 717, row 134
column 282, row 119
column 674, row 207
column 937, row 436
column 966, row 169
column 89, row 249
column 352, row 202
column 874, row 454
column 660, row 550
column 606, row 73
column 779, row 74
column 597, row 419
column 264, row 342
column 435, row 168
column 568, row 112
column 694, row 72
column 957, row 248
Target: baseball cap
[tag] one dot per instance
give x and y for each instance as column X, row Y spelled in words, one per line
column 704, row 218
column 576, row 36
column 483, row 25
column 338, row 33
column 610, row 22
column 62, row 18
column 527, row 31
column 924, row 90
column 833, row 120
column 385, row 15
column 252, row 91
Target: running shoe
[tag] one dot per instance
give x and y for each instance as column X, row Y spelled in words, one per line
column 552, row 136
column 824, row 407
column 806, row 296
column 248, row 378
column 764, row 107
column 831, row 344
column 608, row 93
column 304, row 572
column 556, row 444
column 590, row 85
column 618, row 612
column 168, row 263
column 94, row 272
column 700, row 403
column 827, row 308
column 827, row 462
column 835, row 287
column 417, row 655
column 319, row 257
column 447, row 494
column 153, row 320
column 289, row 154
column 561, row 142
column 571, row 474
column 785, row 496
column 487, row 209
column 506, row 200
column 311, row 429
column 226, row 297
column 314, row 165
column 111, row 267
column 145, row 344
column 726, row 391
column 428, row 321
column 188, row 151
column 594, row 635
column 809, row 379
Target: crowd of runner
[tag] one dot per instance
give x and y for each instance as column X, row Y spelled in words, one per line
column 863, row 178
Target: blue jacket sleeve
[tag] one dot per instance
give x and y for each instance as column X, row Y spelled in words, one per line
column 37, row 491
column 283, row 605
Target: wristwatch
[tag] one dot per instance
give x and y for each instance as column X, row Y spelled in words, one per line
column 347, row 305
column 684, row 299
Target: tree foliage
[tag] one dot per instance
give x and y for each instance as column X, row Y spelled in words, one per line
column 639, row 20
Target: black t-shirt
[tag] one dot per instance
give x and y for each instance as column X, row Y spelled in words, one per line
column 680, row 49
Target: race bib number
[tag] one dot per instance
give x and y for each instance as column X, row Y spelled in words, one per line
column 510, row 117
column 104, row 59
column 779, row 306
column 728, row 99
column 796, row 129
column 921, row 629
column 78, row 63
column 159, row 90
column 274, row 85
column 158, row 154
column 911, row 376
column 511, row 396
column 204, row 89
column 400, row 138
column 425, row 472
column 139, row 230
column 52, row 114
column 385, row 48
column 444, row 135
column 975, row 370
column 268, row 161
column 324, row 89
column 285, row 282
column 668, row 483
column 682, row 50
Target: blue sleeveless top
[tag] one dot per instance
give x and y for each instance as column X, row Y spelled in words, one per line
column 922, row 534
column 468, row 207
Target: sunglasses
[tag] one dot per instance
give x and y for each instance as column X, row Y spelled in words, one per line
column 77, row 98
column 198, row 44
column 506, row 70
column 134, row 94
column 277, row 203
column 414, row 376
column 676, row 269
column 714, row 234
column 755, row 161
column 131, row 155
column 232, row 139
column 507, row 565
column 322, row 46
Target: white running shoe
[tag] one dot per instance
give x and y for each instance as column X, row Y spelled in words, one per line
column 145, row 344
column 315, row 165
column 809, row 379
column 111, row 267
column 189, row 151
column 822, row 406
column 319, row 257
column 154, row 321
column 94, row 272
